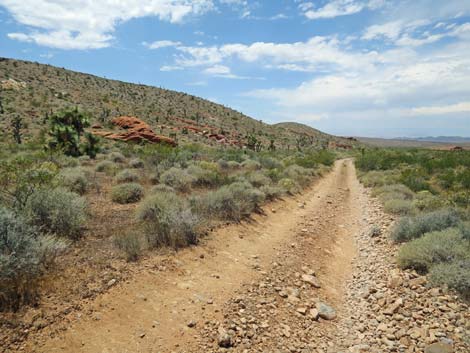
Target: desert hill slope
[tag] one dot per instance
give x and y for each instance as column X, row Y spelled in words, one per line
column 34, row 90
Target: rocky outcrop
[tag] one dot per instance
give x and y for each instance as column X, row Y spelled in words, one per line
column 135, row 130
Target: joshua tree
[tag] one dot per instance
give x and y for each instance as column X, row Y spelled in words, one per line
column 17, row 126
column 65, row 131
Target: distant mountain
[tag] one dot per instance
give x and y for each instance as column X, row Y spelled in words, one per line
column 439, row 139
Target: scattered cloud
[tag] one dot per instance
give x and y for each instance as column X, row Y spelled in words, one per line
column 335, row 8
column 463, row 107
column 168, row 68
column 84, row 24
column 161, row 44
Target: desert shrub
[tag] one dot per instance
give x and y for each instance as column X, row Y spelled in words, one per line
column 272, row 192
column 464, row 229
column 251, row 164
column 231, row 202
column 203, row 176
column 425, row 201
column 136, row 163
column 413, row 227
column 289, row 185
column 20, row 177
column 116, row 157
column 74, row 179
column 127, row 193
column 399, row 191
column 270, row 163
column 167, row 220
column 379, row 178
column 454, row 275
column 223, row 165
column 233, row 165
column 415, row 179
column 433, row 248
column 64, row 161
column 57, row 211
column 127, row 176
column 24, row 252
column 161, row 188
column 107, row 167
column 84, row 160
column 177, row 178
column 399, row 207
column 300, row 175
column 258, row 179
column 130, row 244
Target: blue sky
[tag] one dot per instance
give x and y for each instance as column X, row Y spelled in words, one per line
column 349, row 67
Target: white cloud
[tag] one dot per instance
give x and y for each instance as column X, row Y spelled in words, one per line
column 84, row 24
column 217, row 70
column 463, row 107
column 168, row 68
column 427, row 84
column 318, row 53
column 161, row 44
column 335, row 8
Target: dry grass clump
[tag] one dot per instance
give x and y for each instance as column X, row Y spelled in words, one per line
column 167, row 220
column 127, row 176
column 127, row 193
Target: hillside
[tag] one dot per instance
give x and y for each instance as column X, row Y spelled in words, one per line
column 34, row 90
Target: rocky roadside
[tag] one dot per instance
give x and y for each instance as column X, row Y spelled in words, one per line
column 383, row 309
column 389, row 310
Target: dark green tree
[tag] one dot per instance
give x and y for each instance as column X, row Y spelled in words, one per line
column 65, row 130
column 91, row 145
column 17, row 127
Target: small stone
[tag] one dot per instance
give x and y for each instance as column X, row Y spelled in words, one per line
column 302, row 311
column 325, row 311
column 312, row 280
column 314, row 314
column 112, row 282
column 439, row 348
column 224, row 340
column 192, row 323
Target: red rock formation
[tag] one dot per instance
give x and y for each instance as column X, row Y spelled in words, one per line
column 136, row 130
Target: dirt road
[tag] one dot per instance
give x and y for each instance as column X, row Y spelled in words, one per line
column 259, row 287
column 151, row 313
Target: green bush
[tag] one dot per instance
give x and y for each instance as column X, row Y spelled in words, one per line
column 258, row 179
column 24, row 253
column 425, row 201
column 167, row 220
column 127, row 193
column 161, row 188
column 177, row 178
column 413, row 227
column 379, row 178
column 302, row 176
column 127, row 176
column 394, row 191
column 136, row 163
column 116, row 157
column 231, row 202
column 250, row 164
column 75, row 180
column 290, row 186
column 433, row 248
column 107, row 167
column 203, row 176
column 57, row 211
column 130, row 244
column 399, row 207
column 454, row 275
column 272, row 192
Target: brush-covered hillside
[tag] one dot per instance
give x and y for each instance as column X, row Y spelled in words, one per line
column 34, row 91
